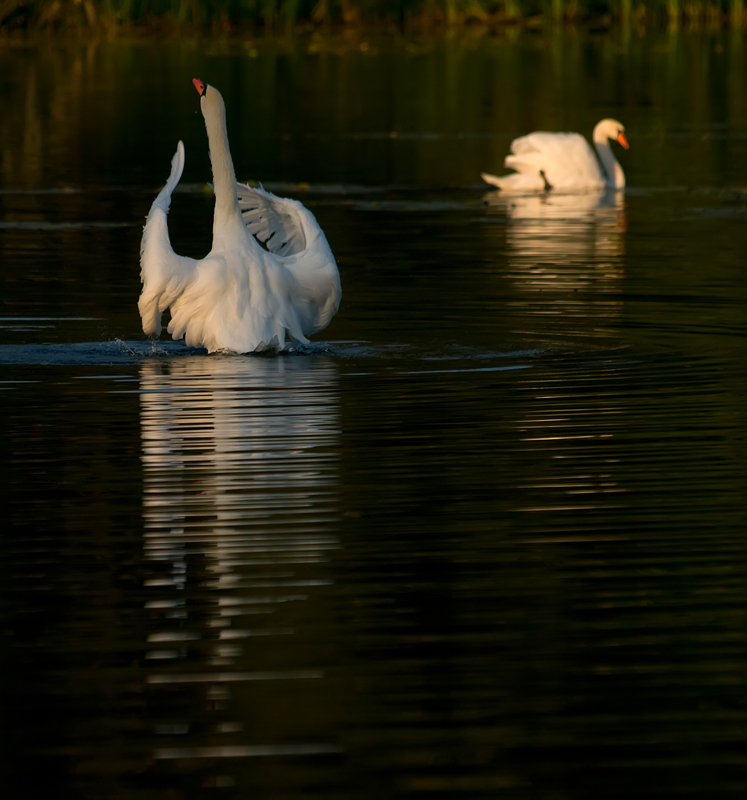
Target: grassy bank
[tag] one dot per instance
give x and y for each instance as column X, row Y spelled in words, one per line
column 269, row 15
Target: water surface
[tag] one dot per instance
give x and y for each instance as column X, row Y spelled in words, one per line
column 484, row 537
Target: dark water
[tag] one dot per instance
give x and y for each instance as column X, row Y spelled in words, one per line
column 486, row 537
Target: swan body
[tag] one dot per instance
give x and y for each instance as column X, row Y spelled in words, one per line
column 564, row 161
column 241, row 297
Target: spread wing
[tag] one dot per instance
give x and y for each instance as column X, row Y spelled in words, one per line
column 291, row 232
column 162, row 272
column 276, row 221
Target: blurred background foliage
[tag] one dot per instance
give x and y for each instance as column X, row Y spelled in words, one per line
column 274, row 15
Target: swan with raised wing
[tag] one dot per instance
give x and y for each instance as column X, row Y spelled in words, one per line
column 242, row 297
column 564, row 161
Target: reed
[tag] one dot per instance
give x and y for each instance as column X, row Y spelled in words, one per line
column 273, row 14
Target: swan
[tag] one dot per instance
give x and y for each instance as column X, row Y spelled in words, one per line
column 564, row 161
column 241, row 297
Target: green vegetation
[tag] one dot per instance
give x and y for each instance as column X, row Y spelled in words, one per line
column 228, row 15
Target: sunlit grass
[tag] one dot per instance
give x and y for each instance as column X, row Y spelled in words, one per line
column 288, row 14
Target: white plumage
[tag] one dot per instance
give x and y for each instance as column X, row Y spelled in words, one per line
column 241, row 297
column 272, row 220
column 563, row 161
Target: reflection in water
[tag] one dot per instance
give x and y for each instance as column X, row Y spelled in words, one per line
column 561, row 230
column 565, row 252
column 542, row 590
column 566, row 264
column 239, row 499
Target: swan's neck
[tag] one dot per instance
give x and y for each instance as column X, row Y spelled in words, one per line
column 615, row 174
column 224, row 177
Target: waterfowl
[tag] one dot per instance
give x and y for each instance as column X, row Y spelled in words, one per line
column 564, row 161
column 242, row 297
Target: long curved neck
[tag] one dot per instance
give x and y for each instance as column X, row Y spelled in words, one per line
column 615, row 174
column 224, row 177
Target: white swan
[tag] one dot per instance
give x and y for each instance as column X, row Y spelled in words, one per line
column 563, row 161
column 239, row 298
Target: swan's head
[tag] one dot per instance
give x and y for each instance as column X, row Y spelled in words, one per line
column 611, row 129
column 211, row 100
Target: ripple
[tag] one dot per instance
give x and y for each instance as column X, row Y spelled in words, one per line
column 236, row 677
column 45, row 225
column 247, row 751
column 411, row 205
column 117, row 351
column 42, row 191
column 124, row 352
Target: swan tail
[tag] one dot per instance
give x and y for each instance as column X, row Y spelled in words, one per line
column 161, row 269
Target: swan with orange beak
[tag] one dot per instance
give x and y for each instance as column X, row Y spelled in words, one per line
column 269, row 280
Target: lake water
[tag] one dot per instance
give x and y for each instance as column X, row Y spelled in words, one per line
column 486, row 537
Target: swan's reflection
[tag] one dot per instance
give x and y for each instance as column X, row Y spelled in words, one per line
column 556, row 205
column 240, row 460
column 564, row 242
column 565, row 257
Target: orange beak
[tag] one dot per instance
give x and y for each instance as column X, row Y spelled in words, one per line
column 199, row 85
column 623, row 141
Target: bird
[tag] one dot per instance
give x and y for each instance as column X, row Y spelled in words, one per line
column 564, row 161
column 242, row 297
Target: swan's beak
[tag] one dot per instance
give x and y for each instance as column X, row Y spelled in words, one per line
column 200, row 86
column 621, row 138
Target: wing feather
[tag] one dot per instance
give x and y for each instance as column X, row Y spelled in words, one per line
column 291, row 232
column 276, row 221
column 163, row 273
